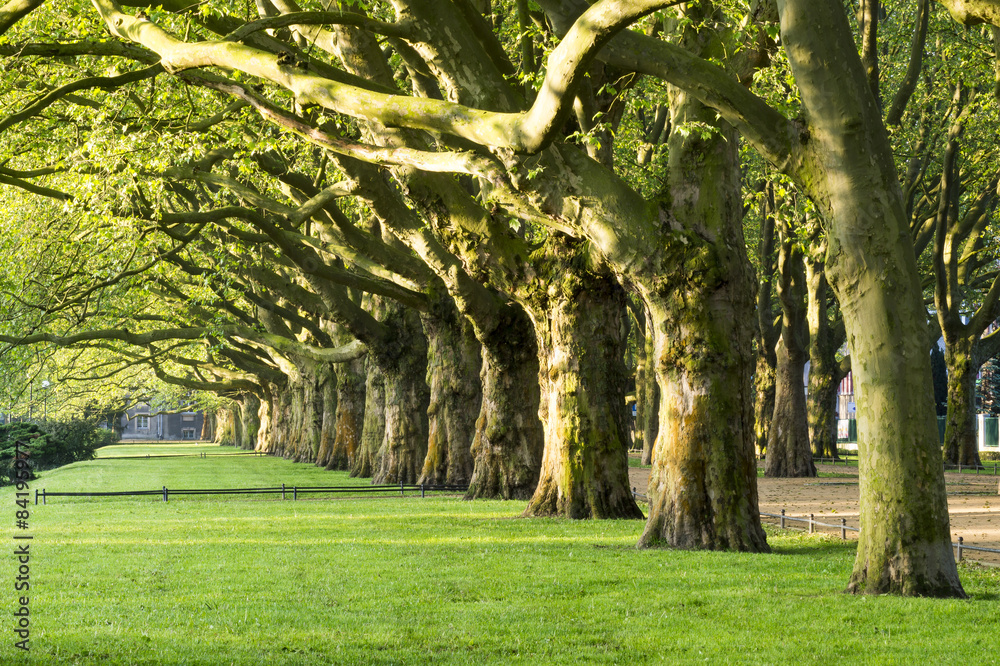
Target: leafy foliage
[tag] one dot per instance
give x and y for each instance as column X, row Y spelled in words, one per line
column 49, row 445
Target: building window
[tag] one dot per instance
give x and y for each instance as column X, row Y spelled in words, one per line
column 187, row 433
column 187, row 416
column 142, row 422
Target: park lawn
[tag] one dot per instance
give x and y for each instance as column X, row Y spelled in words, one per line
column 184, row 472
column 439, row 580
column 167, row 448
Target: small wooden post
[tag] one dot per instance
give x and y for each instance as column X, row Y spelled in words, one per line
column 843, row 528
column 960, row 540
column 165, row 493
column 782, row 519
column 401, row 488
column 812, row 528
column 295, row 493
column 421, row 490
column 282, row 491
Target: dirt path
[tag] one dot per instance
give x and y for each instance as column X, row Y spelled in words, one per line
column 973, row 503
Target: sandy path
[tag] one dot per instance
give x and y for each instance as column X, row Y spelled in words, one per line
column 973, row 503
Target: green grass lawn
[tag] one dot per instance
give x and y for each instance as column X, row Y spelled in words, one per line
column 436, row 580
column 166, row 448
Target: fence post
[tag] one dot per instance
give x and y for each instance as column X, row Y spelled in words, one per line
column 36, row 496
column 421, row 490
column 295, row 493
column 782, row 519
column 843, row 529
column 165, row 493
column 811, row 527
column 960, row 549
column 43, row 496
column 400, row 487
column 282, row 491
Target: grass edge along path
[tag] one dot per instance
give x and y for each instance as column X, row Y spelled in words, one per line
column 440, row 580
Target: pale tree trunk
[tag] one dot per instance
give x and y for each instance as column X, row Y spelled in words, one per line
column 327, row 393
column 961, row 443
column 208, row 426
column 824, row 370
column 225, row 426
column 847, row 168
column 788, row 453
column 254, row 423
column 650, row 422
column 585, row 463
column 404, row 371
column 640, row 378
column 509, row 438
column 454, row 359
column 373, row 429
column 703, row 484
column 349, row 418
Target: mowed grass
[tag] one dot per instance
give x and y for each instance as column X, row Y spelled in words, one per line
column 142, row 449
column 437, row 580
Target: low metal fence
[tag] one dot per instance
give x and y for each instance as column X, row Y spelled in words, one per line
column 844, row 528
column 284, row 490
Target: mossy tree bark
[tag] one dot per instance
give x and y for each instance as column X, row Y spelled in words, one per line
column 768, row 331
column 904, row 545
column 509, row 437
column 788, row 452
column 454, row 360
column 582, row 338
column 373, row 430
column 825, row 371
column 961, row 441
column 404, row 370
column 703, row 485
column 349, row 418
column 650, row 421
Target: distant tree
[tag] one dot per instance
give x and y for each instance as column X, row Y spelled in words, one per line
column 988, row 388
column 939, row 370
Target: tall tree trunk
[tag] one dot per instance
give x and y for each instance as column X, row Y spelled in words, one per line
column 327, row 394
column 788, row 453
column 961, row 442
column 509, row 437
column 208, row 426
column 349, row 418
column 847, row 168
column 824, row 371
column 454, row 360
column 373, row 430
column 703, row 485
column 255, row 423
column 763, row 406
column 404, row 369
column 225, row 426
column 585, row 463
column 650, row 421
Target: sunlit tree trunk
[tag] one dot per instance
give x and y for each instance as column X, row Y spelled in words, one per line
column 373, row 430
column 847, row 168
column 585, row 464
column 703, row 485
column 961, row 441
